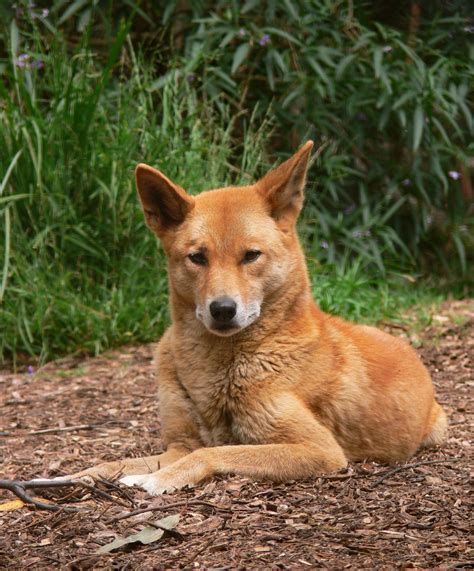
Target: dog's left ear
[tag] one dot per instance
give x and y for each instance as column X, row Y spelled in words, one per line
column 283, row 186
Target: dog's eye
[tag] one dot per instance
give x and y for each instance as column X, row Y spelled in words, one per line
column 251, row 256
column 198, row 258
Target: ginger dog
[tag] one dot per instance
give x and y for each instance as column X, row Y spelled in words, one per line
column 254, row 379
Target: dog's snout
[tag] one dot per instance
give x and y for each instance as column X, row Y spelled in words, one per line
column 223, row 309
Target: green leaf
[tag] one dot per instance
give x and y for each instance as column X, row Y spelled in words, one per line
column 319, row 71
column 240, row 54
column 403, row 99
column 13, row 197
column 73, row 8
column 6, row 261
column 291, row 8
column 343, row 64
column 418, row 120
column 285, row 35
column 10, row 168
column 461, row 251
column 378, row 56
column 14, row 38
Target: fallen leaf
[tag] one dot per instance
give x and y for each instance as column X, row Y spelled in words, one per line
column 18, row 504
column 147, row 535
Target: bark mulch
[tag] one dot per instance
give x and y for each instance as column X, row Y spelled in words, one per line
column 75, row 413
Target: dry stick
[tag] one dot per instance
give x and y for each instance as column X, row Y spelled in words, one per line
column 75, row 427
column 125, row 493
column 413, row 465
column 19, row 487
column 63, row 429
column 193, row 556
column 341, row 476
column 165, row 507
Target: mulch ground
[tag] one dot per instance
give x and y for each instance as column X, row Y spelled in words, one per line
column 75, row 413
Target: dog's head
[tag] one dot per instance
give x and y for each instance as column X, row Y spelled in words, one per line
column 229, row 250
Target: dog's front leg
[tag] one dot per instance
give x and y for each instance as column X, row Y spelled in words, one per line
column 179, row 431
column 143, row 465
column 299, row 447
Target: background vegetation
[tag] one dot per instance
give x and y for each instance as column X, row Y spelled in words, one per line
column 214, row 93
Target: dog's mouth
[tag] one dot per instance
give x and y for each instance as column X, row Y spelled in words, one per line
column 224, row 329
column 227, row 328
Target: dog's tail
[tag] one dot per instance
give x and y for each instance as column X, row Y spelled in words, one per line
column 438, row 427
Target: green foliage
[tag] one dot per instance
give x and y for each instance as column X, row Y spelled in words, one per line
column 81, row 271
column 391, row 112
column 81, row 105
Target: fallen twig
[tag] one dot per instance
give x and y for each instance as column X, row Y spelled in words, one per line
column 165, row 507
column 63, row 429
column 75, row 427
column 120, row 489
column 397, row 469
column 20, row 487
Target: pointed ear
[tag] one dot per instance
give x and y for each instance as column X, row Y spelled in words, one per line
column 283, row 186
column 164, row 203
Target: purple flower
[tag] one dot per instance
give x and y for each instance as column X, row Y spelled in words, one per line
column 25, row 61
column 242, row 32
column 455, row 175
column 22, row 60
column 349, row 209
column 44, row 13
column 406, row 182
column 387, row 49
column 324, row 245
column 429, row 220
column 30, row 370
column 190, row 78
column 263, row 41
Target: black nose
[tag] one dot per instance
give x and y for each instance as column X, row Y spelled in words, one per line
column 223, row 309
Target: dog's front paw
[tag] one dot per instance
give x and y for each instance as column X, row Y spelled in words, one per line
column 151, row 483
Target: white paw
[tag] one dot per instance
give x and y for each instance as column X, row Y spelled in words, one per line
column 86, row 478
column 149, row 482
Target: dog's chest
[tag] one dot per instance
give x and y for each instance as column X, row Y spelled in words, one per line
column 227, row 392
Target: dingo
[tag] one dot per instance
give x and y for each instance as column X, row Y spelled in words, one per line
column 254, row 379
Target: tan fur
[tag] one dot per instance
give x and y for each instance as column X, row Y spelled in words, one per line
column 295, row 393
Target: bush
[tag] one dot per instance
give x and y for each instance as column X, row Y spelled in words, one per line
column 80, row 105
column 385, row 92
column 81, row 272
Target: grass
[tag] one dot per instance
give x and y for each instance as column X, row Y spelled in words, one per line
column 80, row 271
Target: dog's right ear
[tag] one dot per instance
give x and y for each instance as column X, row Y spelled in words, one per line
column 164, row 203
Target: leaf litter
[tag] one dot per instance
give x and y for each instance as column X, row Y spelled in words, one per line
column 78, row 412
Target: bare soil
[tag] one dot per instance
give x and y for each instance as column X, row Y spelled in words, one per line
column 416, row 515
